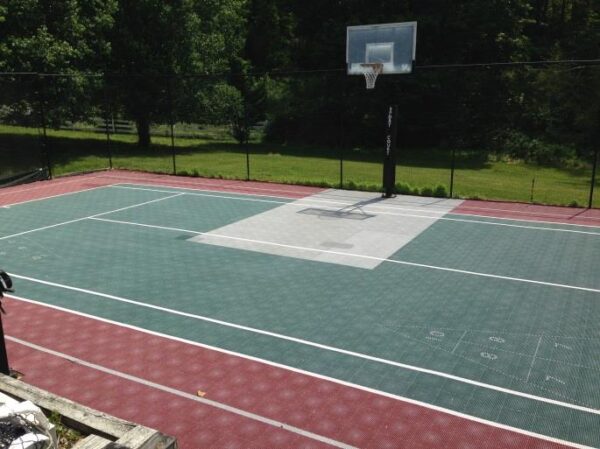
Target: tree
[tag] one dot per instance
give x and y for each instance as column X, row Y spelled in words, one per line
column 54, row 36
column 155, row 40
column 50, row 36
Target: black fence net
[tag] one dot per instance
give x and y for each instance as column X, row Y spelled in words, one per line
column 22, row 155
column 515, row 134
column 139, row 120
column 73, row 123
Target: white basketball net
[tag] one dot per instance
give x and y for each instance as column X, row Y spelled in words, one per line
column 371, row 71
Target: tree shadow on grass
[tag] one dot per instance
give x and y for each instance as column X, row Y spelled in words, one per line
column 67, row 151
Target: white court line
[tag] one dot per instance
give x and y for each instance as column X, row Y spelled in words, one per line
column 18, row 203
column 458, row 342
column 389, row 206
column 306, row 373
column 183, row 394
column 228, row 185
column 557, row 216
column 312, row 344
column 361, row 256
column 305, row 202
column 537, row 348
column 45, row 186
column 88, row 217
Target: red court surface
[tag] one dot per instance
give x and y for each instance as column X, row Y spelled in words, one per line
column 69, row 184
column 155, row 380
column 530, row 212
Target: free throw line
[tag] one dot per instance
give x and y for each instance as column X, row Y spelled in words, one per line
column 361, row 256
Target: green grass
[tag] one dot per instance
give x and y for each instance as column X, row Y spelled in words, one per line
column 67, row 437
column 211, row 152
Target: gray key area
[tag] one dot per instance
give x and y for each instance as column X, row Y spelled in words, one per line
column 357, row 229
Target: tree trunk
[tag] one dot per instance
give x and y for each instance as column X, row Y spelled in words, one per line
column 143, row 131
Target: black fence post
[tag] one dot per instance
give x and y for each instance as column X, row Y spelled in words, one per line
column 341, row 143
column 247, row 128
column 4, row 369
column 342, row 140
column 452, row 166
column 45, row 142
column 171, row 123
column 247, row 160
column 591, row 201
column 107, row 121
column 5, row 286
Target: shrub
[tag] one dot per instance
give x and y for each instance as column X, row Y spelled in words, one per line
column 521, row 146
column 574, row 203
column 182, row 173
column 403, row 188
column 440, row 191
column 427, row 191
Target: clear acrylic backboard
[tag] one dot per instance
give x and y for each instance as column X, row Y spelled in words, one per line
column 388, row 48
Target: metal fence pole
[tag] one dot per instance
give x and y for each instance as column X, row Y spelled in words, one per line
column 107, row 116
column 5, row 286
column 246, row 138
column 593, row 182
column 341, row 151
column 247, row 161
column 45, row 142
column 171, row 124
column 342, row 139
column 4, row 369
column 452, row 166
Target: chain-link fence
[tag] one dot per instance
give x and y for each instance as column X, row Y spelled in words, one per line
column 466, row 134
column 22, row 155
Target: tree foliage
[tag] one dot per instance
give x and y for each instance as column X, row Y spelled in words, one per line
column 155, row 41
column 230, row 62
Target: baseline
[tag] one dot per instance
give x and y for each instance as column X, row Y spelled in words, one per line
column 301, row 203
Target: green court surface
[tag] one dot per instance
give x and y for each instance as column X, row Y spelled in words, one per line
column 497, row 319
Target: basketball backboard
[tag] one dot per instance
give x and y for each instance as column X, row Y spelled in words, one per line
column 390, row 46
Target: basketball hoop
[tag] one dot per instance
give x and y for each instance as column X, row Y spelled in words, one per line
column 371, row 72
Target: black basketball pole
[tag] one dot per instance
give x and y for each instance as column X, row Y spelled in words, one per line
column 389, row 161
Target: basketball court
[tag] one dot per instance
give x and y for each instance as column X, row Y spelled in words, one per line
column 240, row 314
column 234, row 314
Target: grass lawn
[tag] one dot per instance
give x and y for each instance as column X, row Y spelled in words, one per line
column 212, row 153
